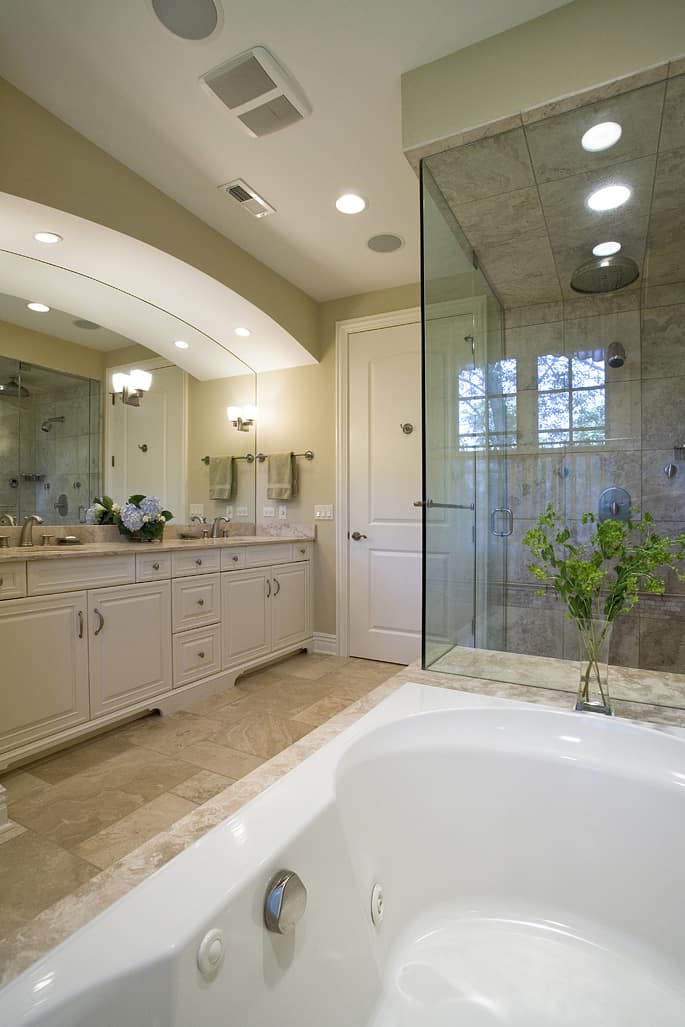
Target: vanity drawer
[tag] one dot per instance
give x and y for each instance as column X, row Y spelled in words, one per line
column 197, row 654
column 232, row 559
column 150, row 567
column 71, row 573
column 195, row 602
column 265, row 555
column 301, row 551
column 12, row 579
column 195, row 561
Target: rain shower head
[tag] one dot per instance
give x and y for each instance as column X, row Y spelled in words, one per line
column 605, row 274
column 11, row 389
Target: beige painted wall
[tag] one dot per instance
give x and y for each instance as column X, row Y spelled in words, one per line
column 574, row 47
column 49, row 351
column 50, row 163
column 298, row 412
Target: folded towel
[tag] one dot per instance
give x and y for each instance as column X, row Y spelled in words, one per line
column 221, row 477
column 281, row 476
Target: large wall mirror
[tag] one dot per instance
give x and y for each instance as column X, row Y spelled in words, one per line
column 68, row 430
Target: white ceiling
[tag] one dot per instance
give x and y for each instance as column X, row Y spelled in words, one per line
column 114, row 73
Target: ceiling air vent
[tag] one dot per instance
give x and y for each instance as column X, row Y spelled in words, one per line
column 250, row 201
column 256, row 89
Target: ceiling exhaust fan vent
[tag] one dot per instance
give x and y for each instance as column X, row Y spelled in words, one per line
column 250, row 201
column 254, row 87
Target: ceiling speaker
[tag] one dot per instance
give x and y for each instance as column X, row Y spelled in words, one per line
column 256, row 89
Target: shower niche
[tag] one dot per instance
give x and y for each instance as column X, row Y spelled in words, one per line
column 49, row 443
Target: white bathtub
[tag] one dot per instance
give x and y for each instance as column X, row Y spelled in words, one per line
column 533, row 873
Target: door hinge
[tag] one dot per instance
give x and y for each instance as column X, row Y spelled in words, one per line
column 112, row 461
column 473, row 628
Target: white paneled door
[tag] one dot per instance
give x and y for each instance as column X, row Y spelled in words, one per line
column 384, row 482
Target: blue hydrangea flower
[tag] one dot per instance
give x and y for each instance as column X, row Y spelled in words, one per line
column 151, row 506
column 131, row 517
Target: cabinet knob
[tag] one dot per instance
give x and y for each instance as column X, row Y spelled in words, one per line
column 235, row 559
column 199, row 562
column 303, row 551
column 201, row 654
column 1, row 581
column 200, row 602
column 155, row 566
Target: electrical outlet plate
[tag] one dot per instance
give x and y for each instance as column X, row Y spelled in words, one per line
column 268, row 511
column 228, row 512
column 283, row 513
column 196, row 510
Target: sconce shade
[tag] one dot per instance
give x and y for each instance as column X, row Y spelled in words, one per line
column 140, row 380
column 233, row 413
column 250, row 412
column 120, row 381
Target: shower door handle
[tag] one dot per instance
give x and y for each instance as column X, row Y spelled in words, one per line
column 445, row 506
column 509, row 521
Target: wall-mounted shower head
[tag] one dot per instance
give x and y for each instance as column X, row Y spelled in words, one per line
column 615, row 355
column 605, row 274
column 48, row 423
column 11, row 389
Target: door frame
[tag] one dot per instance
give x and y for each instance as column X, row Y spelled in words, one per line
column 343, row 331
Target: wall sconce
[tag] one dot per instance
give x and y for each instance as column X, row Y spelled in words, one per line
column 130, row 387
column 242, row 417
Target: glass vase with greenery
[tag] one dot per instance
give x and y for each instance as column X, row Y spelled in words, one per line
column 600, row 579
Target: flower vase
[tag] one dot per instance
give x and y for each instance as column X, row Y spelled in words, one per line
column 594, row 637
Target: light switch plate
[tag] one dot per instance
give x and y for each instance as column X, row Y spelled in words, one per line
column 268, row 511
column 283, row 513
column 323, row 512
column 241, row 511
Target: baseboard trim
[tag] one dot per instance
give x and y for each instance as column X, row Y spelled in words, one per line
column 325, row 643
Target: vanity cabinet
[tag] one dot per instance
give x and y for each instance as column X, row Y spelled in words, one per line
column 129, row 644
column 265, row 610
column 44, row 676
column 101, row 636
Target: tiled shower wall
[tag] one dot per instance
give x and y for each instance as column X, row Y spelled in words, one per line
column 644, row 419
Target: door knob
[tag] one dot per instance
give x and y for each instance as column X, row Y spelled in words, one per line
column 357, row 535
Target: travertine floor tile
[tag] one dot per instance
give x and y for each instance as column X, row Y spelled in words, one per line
column 65, row 764
column 21, row 783
column 309, row 666
column 34, row 873
column 220, row 759
column 113, row 842
column 322, row 710
column 261, row 734
column 202, row 786
column 169, row 734
column 10, row 831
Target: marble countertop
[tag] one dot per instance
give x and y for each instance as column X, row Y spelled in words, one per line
column 174, row 545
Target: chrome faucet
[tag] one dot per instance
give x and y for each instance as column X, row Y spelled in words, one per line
column 216, row 526
column 7, row 519
column 198, row 518
column 26, row 537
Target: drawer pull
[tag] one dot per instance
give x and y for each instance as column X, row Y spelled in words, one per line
column 200, row 602
column 235, row 559
column 101, row 624
column 303, row 551
column 1, row 581
column 277, row 586
column 155, row 566
column 198, row 562
column 80, row 624
column 201, row 654
column 268, row 588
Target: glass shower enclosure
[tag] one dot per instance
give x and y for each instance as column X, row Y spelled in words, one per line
column 469, row 420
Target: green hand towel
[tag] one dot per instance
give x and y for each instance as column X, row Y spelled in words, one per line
column 281, row 476
column 221, row 477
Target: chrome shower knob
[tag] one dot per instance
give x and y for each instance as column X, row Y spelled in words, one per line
column 286, row 899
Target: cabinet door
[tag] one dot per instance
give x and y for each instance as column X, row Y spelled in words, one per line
column 290, row 612
column 129, row 644
column 44, row 667
column 246, row 609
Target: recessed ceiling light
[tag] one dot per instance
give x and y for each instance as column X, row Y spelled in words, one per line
column 608, row 198
column 182, row 344
column 195, row 20
column 242, row 332
column 601, row 137
column 350, row 203
column 47, row 237
column 385, row 243
column 606, row 249
column 40, row 308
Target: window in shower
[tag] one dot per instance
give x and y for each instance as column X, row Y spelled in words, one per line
column 487, row 406
column 571, row 399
